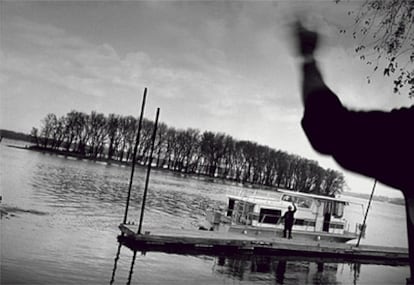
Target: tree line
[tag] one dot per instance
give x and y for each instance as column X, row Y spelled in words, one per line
column 190, row 151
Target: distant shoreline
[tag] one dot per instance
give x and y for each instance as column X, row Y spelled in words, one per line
column 396, row 201
column 67, row 154
column 125, row 163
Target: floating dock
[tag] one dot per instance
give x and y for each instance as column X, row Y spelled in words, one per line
column 182, row 241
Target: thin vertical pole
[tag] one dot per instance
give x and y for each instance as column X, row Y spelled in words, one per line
column 366, row 213
column 135, row 154
column 131, row 269
column 148, row 171
column 115, row 264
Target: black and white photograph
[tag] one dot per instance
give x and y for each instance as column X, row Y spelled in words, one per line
column 206, row 142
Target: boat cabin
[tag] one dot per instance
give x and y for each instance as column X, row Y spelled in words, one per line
column 314, row 212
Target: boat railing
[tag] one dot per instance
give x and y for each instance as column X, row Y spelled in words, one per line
column 248, row 218
column 259, row 194
column 279, row 218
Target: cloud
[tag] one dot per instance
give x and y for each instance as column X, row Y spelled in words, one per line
column 51, row 56
column 236, row 62
column 219, row 66
column 36, row 36
column 55, row 57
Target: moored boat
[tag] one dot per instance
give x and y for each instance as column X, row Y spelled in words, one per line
column 261, row 214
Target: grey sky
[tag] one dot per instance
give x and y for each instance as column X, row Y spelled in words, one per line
column 213, row 65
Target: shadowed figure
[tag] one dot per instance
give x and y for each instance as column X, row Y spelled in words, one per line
column 377, row 144
column 289, row 218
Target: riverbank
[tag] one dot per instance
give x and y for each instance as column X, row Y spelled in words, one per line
column 107, row 161
column 396, row 201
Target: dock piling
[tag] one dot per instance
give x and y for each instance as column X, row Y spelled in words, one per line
column 115, row 263
column 135, row 155
column 131, row 269
column 141, row 218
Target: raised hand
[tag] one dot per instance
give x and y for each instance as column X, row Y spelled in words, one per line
column 307, row 41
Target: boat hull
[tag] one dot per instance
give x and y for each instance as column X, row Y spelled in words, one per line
column 296, row 234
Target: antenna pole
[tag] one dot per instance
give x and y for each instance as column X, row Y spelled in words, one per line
column 366, row 213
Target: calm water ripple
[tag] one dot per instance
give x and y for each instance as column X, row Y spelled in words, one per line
column 60, row 217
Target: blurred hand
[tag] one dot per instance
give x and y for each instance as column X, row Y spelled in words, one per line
column 306, row 40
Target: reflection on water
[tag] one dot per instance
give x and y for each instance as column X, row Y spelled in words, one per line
column 131, row 269
column 12, row 211
column 116, row 264
column 257, row 269
column 72, row 187
column 60, row 217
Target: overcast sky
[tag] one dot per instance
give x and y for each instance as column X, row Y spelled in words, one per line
column 213, row 65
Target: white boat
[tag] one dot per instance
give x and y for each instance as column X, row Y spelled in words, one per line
column 260, row 214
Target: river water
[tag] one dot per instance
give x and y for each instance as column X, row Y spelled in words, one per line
column 63, row 214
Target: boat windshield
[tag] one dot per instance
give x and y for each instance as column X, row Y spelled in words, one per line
column 301, row 202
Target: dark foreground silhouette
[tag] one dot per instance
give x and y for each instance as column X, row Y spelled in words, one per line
column 375, row 143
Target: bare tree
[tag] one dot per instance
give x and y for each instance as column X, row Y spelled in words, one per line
column 384, row 30
column 188, row 151
column 159, row 147
column 129, row 128
column 96, row 133
column 113, row 131
column 35, row 134
column 48, row 124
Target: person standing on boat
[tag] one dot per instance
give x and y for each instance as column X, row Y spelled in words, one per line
column 375, row 143
column 289, row 218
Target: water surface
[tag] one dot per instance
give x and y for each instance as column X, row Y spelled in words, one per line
column 63, row 213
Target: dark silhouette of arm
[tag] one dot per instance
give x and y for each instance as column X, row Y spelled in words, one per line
column 375, row 143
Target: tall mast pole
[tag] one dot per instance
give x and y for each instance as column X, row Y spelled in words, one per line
column 366, row 213
column 148, row 171
column 135, row 155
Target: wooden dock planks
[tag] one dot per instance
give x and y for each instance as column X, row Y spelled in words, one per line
column 210, row 242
